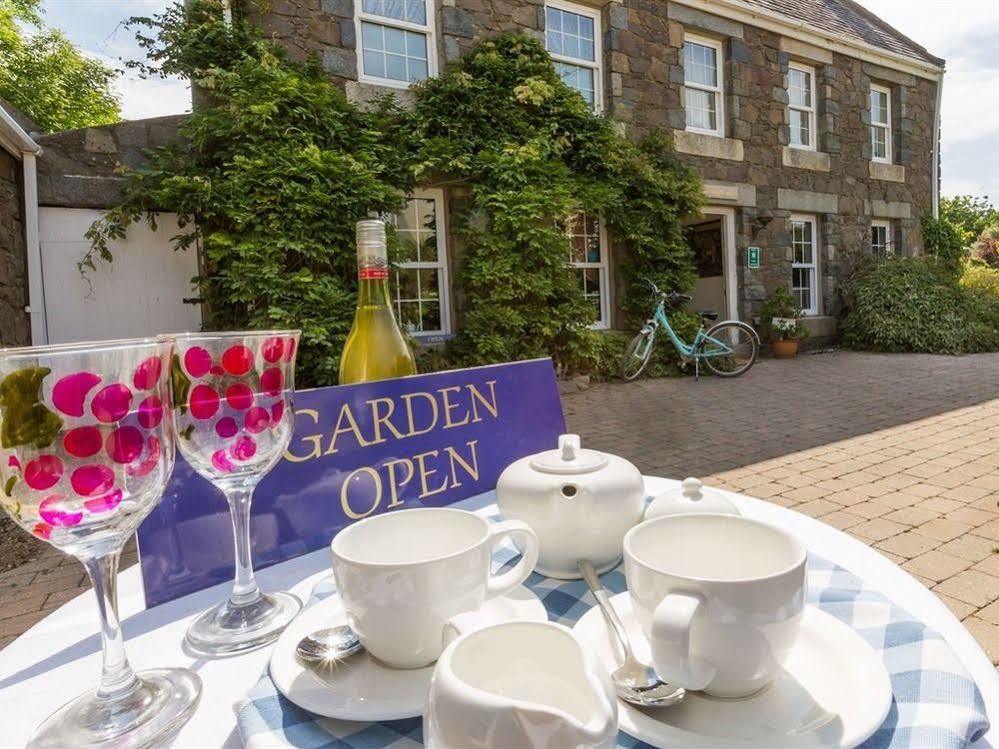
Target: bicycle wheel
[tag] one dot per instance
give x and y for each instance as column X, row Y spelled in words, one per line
column 637, row 355
column 741, row 347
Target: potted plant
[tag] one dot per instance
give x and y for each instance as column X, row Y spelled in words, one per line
column 781, row 321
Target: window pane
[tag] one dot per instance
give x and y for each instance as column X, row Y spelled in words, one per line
column 700, row 64
column 879, row 107
column 579, row 78
column 700, row 107
column 409, row 316
column 431, row 313
column 373, row 6
column 799, row 90
column 879, row 142
column 570, row 34
column 416, row 11
column 429, row 285
column 800, row 124
column 393, row 53
column 395, row 41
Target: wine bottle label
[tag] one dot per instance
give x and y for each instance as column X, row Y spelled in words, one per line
column 372, row 268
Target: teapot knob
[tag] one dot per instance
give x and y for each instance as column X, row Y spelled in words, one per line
column 692, row 489
column 569, row 445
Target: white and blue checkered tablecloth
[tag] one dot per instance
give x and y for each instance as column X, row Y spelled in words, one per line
column 936, row 703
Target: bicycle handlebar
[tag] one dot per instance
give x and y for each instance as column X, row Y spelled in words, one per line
column 667, row 295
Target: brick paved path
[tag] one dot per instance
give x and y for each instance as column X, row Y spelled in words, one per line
column 901, row 452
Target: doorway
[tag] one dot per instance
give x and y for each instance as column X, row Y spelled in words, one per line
column 711, row 236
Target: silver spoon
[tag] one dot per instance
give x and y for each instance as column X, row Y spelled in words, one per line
column 327, row 646
column 634, row 682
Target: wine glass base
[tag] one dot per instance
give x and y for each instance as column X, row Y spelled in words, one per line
column 227, row 629
column 161, row 702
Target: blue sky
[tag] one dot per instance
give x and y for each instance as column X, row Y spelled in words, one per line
column 965, row 32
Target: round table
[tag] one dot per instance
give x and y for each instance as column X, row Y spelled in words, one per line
column 60, row 656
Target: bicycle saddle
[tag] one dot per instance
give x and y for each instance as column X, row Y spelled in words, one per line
column 708, row 314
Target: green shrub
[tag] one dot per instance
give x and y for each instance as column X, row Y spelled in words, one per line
column 782, row 305
column 916, row 304
column 980, row 278
column 946, row 242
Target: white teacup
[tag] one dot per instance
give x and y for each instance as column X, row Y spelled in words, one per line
column 403, row 575
column 719, row 598
column 518, row 685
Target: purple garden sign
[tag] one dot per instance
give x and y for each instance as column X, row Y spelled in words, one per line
column 357, row 450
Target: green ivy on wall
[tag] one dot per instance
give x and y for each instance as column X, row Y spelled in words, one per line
column 276, row 166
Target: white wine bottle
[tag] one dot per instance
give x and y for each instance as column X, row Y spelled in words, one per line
column 376, row 348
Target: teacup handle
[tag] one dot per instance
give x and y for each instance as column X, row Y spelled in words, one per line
column 500, row 584
column 670, row 642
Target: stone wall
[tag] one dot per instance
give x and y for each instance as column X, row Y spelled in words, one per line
column 82, row 168
column 751, row 168
column 15, row 326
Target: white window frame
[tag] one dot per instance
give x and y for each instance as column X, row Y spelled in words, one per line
column 428, row 31
column 441, row 266
column 813, row 266
column 889, row 247
column 810, row 111
column 886, row 126
column 597, row 64
column 603, row 267
column 718, row 91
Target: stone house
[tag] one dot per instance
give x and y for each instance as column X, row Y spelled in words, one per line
column 812, row 123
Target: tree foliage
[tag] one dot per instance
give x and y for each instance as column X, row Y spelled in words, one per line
column 946, row 242
column 274, row 170
column 45, row 76
column 970, row 213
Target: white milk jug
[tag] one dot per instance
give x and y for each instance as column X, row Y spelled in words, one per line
column 517, row 685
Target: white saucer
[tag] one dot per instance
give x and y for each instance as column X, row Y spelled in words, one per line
column 834, row 693
column 361, row 688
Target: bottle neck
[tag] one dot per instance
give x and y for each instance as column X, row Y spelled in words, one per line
column 373, row 292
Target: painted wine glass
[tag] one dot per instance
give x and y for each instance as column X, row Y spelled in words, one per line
column 86, row 449
column 233, row 407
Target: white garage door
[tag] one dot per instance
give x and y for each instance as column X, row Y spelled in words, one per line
column 139, row 294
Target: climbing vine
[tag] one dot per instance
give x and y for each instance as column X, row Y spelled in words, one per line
column 276, row 165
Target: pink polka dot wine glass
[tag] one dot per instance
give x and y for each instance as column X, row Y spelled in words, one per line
column 233, row 397
column 86, row 449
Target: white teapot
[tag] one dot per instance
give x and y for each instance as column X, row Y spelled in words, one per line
column 578, row 502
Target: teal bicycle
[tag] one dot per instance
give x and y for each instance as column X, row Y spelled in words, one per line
column 728, row 348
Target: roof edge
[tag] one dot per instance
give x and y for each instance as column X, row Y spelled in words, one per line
column 755, row 16
column 13, row 137
column 876, row 19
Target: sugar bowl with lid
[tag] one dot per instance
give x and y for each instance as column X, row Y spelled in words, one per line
column 578, row 502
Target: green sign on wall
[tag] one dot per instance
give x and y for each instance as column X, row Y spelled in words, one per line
column 753, row 257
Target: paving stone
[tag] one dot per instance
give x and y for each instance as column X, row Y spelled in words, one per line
column 936, row 565
column 939, row 505
column 989, row 565
column 971, row 586
column 970, row 546
column 960, row 609
column 944, row 529
column 841, row 519
column 912, row 516
column 876, row 530
column 987, row 635
column 908, row 545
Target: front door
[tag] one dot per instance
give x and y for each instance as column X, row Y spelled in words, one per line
column 705, row 237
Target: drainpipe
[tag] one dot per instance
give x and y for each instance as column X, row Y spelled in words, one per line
column 36, row 288
column 936, row 148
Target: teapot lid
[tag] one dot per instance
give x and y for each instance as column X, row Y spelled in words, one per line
column 568, row 458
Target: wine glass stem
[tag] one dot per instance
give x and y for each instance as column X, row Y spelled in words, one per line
column 244, row 588
column 117, row 676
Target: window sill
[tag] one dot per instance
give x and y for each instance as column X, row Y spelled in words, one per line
column 887, row 172
column 801, row 158
column 711, row 146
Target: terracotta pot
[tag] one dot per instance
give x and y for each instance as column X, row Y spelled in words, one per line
column 785, row 348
